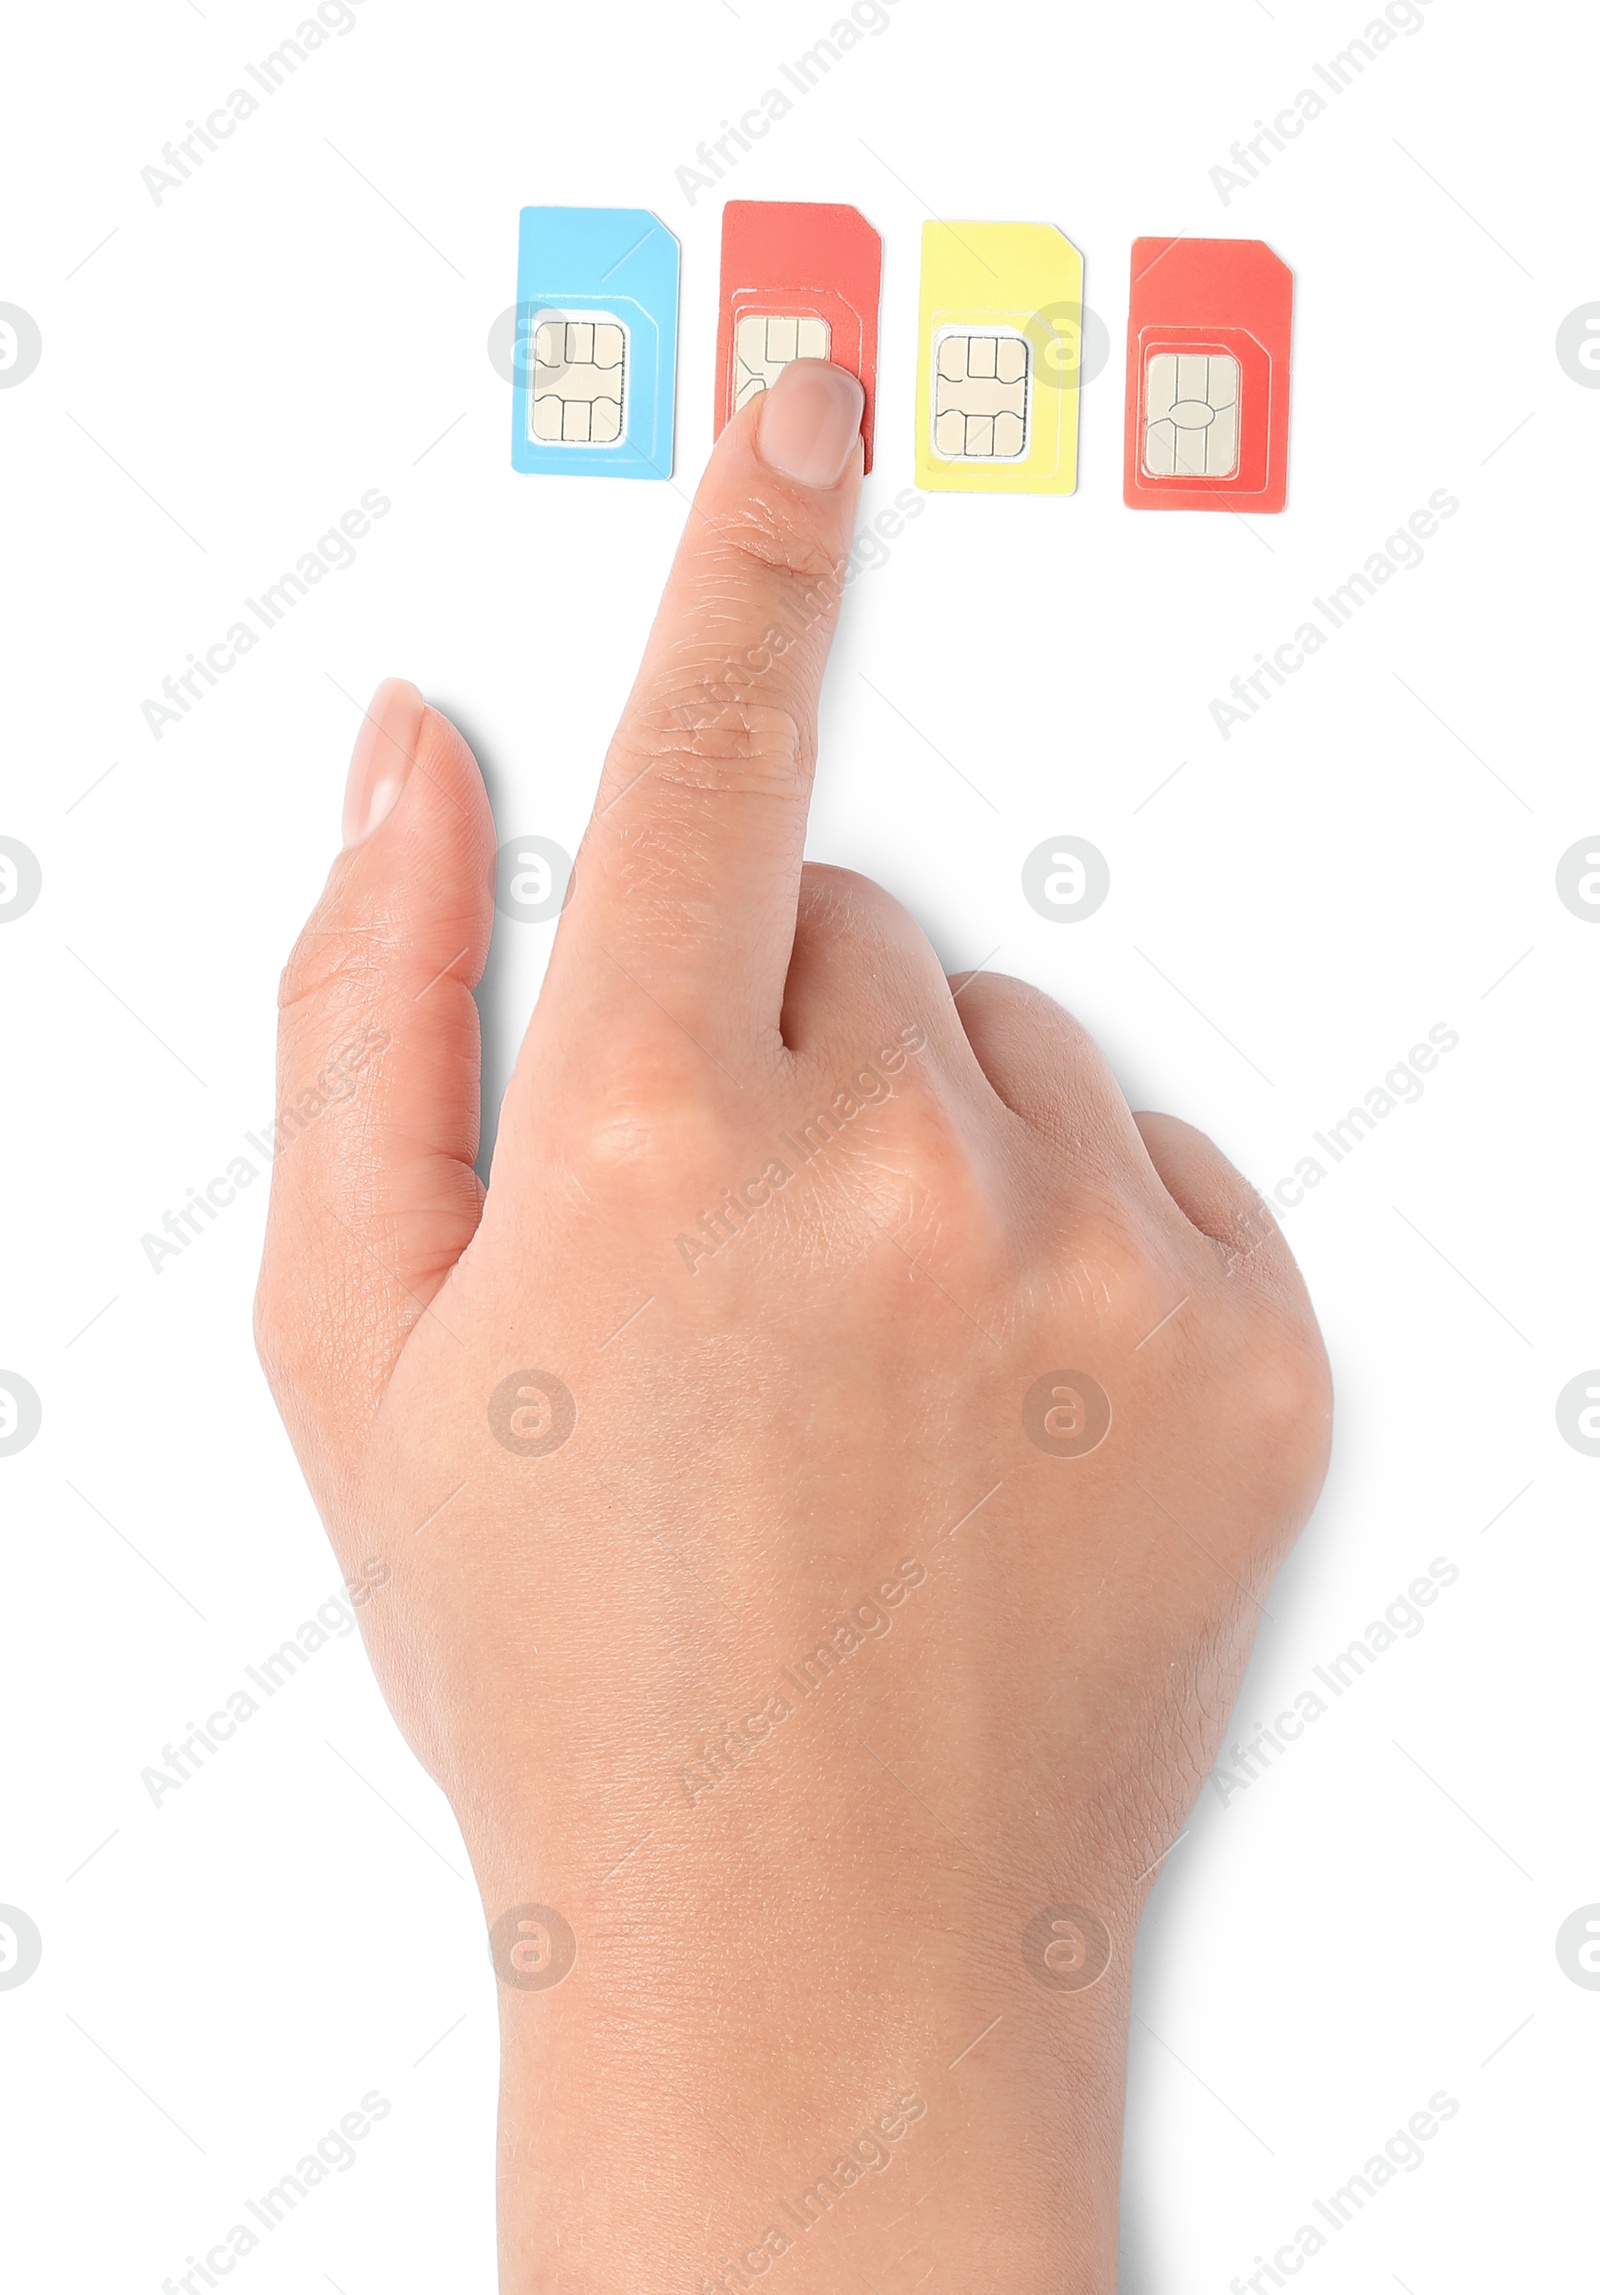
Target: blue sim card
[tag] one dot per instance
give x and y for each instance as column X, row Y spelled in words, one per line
column 596, row 346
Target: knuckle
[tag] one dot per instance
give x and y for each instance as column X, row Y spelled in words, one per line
column 1267, row 1358
column 1118, row 1271
column 279, row 1338
column 922, row 1180
column 339, row 964
column 931, row 1144
column 641, row 1121
column 886, row 949
column 1030, row 1020
column 842, row 900
column 1290, row 1387
column 1012, row 1000
column 760, row 538
column 700, row 742
column 636, row 1139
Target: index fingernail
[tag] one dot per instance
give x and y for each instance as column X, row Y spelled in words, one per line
column 809, row 422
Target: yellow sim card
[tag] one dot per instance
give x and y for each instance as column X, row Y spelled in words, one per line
column 998, row 359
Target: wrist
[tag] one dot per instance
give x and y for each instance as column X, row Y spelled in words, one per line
column 707, row 2090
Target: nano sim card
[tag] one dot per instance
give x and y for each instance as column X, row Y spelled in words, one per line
column 1209, row 326
column 998, row 365
column 596, row 345
column 799, row 281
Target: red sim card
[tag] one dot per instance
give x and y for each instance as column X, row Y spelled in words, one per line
column 1209, row 323
column 798, row 282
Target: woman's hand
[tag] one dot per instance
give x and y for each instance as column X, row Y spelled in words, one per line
column 829, row 1482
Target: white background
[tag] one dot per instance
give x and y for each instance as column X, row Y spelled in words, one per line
column 306, row 318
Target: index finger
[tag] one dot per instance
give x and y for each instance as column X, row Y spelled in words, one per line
column 688, row 879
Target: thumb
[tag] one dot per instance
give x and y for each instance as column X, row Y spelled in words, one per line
column 374, row 1196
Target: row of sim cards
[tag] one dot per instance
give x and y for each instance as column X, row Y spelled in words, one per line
column 1000, row 360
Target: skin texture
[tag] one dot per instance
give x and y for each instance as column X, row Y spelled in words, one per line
column 811, row 1895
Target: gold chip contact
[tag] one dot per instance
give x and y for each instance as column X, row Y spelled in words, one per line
column 981, row 390
column 1191, row 415
column 580, row 369
column 763, row 347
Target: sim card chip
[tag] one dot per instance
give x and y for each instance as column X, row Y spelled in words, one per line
column 981, row 393
column 580, row 375
column 764, row 346
column 1191, row 415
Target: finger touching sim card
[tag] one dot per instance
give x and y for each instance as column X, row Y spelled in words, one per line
column 1209, row 327
column 799, row 281
column 999, row 358
column 596, row 343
